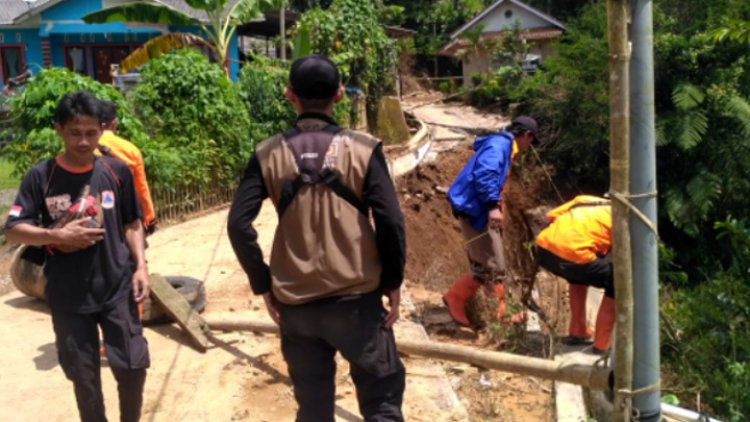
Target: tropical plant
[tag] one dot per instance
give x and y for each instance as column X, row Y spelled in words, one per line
column 222, row 22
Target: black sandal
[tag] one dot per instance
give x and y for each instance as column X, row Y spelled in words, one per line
column 576, row 341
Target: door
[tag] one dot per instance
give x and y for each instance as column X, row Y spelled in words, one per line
column 104, row 57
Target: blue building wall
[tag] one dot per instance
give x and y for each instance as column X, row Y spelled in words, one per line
column 29, row 39
column 61, row 25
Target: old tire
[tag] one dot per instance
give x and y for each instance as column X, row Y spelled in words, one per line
column 28, row 277
column 190, row 288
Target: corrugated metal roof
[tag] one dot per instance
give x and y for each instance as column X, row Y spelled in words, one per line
column 10, row 9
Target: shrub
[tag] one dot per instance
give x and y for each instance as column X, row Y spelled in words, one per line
column 32, row 135
column 261, row 87
column 194, row 115
column 708, row 343
column 496, row 87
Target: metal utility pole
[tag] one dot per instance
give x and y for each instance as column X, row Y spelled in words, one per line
column 619, row 132
column 644, row 240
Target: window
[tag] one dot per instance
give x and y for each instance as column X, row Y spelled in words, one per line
column 12, row 62
column 75, row 59
column 508, row 14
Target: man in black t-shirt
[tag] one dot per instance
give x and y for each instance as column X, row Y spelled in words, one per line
column 95, row 266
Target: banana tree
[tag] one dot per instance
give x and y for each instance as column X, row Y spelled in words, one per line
column 223, row 18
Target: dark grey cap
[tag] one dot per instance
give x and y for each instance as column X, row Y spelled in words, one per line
column 314, row 77
column 527, row 123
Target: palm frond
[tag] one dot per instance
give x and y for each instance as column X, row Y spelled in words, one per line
column 739, row 109
column 692, row 127
column 704, row 189
column 687, row 96
column 140, row 13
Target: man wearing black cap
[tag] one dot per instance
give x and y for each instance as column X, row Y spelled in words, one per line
column 329, row 267
column 476, row 199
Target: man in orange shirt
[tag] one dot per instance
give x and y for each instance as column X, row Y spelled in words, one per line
column 124, row 150
column 575, row 246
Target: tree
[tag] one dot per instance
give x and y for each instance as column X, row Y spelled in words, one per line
column 350, row 34
column 223, row 17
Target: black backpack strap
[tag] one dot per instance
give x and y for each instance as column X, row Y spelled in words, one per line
column 288, row 192
column 290, row 188
column 291, row 133
column 332, row 180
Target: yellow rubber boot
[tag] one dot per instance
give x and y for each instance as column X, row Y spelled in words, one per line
column 455, row 299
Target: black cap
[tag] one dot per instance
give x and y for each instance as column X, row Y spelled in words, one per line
column 314, row 77
column 527, row 123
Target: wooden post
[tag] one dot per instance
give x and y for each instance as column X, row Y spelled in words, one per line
column 617, row 13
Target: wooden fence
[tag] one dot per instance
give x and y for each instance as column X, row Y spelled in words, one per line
column 179, row 204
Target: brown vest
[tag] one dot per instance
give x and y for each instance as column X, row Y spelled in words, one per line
column 323, row 246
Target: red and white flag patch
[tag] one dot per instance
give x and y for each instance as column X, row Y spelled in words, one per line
column 15, row 211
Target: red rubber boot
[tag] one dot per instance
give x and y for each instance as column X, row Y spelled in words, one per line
column 516, row 318
column 455, row 299
column 605, row 321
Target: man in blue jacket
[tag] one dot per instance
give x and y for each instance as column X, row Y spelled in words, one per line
column 476, row 199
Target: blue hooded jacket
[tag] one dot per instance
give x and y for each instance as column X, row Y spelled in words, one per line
column 477, row 187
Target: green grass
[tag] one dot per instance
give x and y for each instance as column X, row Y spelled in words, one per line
column 6, row 181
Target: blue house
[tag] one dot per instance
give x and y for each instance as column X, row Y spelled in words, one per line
column 45, row 33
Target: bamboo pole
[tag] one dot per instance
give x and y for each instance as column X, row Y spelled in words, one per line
column 591, row 376
column 617, row 14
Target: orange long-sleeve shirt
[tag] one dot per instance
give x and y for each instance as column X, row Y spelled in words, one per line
column 580, row 230
column 125, row 150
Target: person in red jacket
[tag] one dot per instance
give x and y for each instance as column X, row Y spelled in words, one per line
column 575, row 246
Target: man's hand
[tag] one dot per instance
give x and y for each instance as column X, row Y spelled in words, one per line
column 273, row 306
column 140, row 285
column 496, row 220
column 394, row 301
column 78, row 234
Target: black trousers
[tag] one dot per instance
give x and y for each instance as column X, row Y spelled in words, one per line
column 77, row 340
column 353, row 325
column 597, row 273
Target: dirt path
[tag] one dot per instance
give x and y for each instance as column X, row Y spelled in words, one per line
column 243, row 377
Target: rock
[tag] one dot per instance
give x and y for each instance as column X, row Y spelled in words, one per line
column 391, row 125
